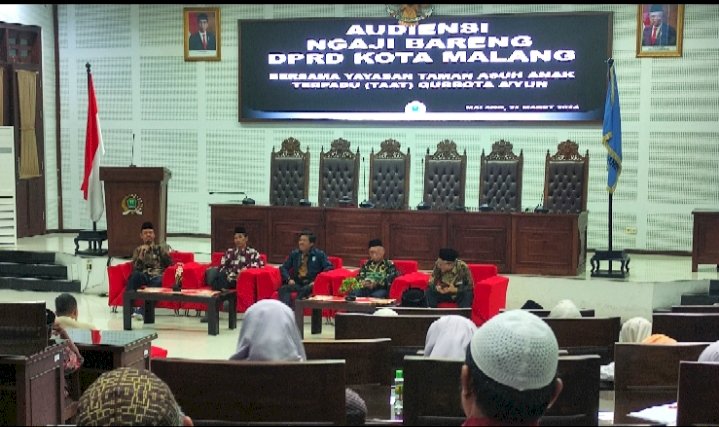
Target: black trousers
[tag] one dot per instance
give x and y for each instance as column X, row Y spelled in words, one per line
column 218, row 281
column 463, row 298
column 303, row 291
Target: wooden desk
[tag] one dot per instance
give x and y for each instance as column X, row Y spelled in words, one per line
column 32, row 387
column 212, row 299
column 705, row 238
column 523, row 243
column 322, row 302
column 116, row 349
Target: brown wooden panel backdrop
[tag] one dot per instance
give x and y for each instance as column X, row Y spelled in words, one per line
column 553, row 244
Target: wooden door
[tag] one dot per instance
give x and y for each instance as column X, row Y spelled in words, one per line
column 21, row 49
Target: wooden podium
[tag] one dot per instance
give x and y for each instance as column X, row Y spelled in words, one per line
column 134, row 195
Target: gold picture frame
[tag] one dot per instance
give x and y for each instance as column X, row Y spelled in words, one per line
column 197, row 46
column 666, row 39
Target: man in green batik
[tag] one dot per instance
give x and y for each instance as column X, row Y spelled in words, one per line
column 377, row 274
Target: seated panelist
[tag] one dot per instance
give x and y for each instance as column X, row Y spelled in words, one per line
column 377, row 274
column 301, row 267
column 451, row 281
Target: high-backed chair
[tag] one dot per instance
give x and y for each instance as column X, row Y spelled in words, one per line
column 566, row 175
column 500, row 182
column 389, row 176
column 339, row 174
column 289, row 174
column 444, row 176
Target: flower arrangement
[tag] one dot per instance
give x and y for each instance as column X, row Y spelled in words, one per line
column 349, row 284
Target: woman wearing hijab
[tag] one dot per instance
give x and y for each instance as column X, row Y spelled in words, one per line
column 269, row 333
column 448, row 337
column 636, row 329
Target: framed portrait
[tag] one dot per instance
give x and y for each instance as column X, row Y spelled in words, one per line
column 660, row 30
column 202, row 33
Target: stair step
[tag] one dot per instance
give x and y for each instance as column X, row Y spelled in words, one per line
column 43, row 285
column 27, row 257
column 45, row 271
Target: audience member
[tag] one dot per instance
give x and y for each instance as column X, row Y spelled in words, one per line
column 66, row 312
column 128, row 396
column 301, row 267
column 659, row 339
column 149, row 262
column 448, row 337
column 269, row 332
column 531, row 304
column 636, row 329
column 451, row 281
column 386, row 312
column 377, row 274
column 710, row 354
column 510, row 372
column 72, row 358
column 565, row 309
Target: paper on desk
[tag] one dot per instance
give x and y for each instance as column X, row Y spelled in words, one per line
column 665, row 414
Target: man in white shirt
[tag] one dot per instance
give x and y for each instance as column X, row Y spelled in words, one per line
column 66, row 312
column 202, row 39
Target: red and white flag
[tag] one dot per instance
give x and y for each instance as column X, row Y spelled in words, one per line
column 94, row 151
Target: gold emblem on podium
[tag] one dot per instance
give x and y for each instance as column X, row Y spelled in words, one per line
column 132, row 204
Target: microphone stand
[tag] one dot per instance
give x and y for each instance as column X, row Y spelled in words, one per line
column 132, row 152
column 366, row 203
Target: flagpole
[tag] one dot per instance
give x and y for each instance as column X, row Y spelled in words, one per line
column 93, row 238
column 87, row 66
column 610, row 230
column 612, row 140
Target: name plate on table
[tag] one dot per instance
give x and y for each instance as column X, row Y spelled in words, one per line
column 199, row 292
column 359, row 300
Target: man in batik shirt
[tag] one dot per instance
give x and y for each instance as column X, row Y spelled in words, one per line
column 451, row 281
column 234, row 262
column 377, row 274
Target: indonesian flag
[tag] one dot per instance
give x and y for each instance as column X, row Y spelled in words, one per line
column 94, row 150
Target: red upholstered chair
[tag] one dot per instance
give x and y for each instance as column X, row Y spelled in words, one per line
column 490, row 290
column 247, row 283
column 117, row 276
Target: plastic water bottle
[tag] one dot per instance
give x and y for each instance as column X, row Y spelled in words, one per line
column 397, row 398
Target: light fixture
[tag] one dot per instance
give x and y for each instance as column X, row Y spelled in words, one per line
column 409, row 14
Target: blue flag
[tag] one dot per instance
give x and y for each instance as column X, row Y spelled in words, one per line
column 612, row 130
